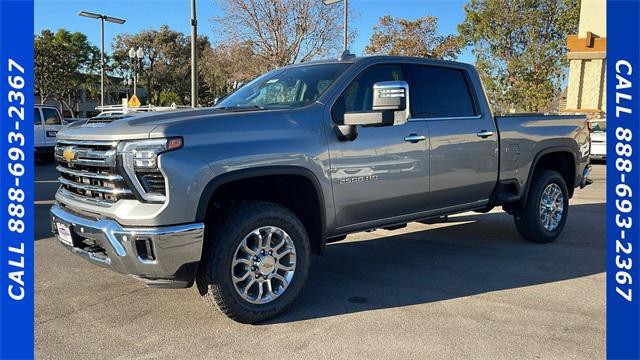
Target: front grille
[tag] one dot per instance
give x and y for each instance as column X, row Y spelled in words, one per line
column 88, row 171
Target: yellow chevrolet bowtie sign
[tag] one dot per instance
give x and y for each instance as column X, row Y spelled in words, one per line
column 69, row 154
column 134, row 101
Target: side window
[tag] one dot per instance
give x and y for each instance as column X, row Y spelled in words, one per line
column 440, row 92
column 37, row 117
column 359, row 95
column 51, row 116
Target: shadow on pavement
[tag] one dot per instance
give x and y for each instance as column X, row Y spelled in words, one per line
column 474, row 254
column 46, row 185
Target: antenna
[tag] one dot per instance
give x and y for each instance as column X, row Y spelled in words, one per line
column 346, row 55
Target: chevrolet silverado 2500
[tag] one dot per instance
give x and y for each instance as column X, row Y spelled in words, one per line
column 237, row 197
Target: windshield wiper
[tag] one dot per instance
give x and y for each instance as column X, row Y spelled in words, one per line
column 242, row 108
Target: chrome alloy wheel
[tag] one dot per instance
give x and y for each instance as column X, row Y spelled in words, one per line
column 551, row 207
column 263, row 265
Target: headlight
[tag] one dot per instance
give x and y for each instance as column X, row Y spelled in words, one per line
column 139, row 160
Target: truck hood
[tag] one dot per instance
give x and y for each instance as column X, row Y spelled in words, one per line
column 137, row 126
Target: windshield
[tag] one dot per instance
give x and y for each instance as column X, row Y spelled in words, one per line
column 285, row 88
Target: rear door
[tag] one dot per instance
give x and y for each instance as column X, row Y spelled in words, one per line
column 52, row 124
column 463, row 141
column 380, row 174
column 38, row 129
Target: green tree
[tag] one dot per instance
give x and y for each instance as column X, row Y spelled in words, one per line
column 397, row 36
column 63, row 62
column 166, row 62
column 227, row 66
column 520, row 47
column 48, row 60
column 168, row 98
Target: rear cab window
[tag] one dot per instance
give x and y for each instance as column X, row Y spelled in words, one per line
column 440, row 92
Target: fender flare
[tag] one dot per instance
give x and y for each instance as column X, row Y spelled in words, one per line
column 248, row 173
column 534, row 163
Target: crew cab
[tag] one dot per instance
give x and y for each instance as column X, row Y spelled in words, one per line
column 237, row 197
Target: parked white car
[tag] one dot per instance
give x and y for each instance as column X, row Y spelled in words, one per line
column 47, row 122
column 598, row 129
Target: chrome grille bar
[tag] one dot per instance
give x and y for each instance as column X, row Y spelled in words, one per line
column 87, row 187
column 89, row 174
column 87, row 142
column 66, row 194
column 88, row 157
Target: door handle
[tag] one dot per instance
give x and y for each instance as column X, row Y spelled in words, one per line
column 484, row 134
column 414, row 138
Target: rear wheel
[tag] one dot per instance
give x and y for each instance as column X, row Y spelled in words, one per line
column 544, row 215
column 258, row 262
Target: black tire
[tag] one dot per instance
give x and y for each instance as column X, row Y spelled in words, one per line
column 527, row 219
column 215, row 274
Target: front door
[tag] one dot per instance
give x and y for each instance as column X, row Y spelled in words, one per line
column 379, row 174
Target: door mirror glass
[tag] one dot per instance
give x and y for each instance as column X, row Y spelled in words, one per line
column 390, row 106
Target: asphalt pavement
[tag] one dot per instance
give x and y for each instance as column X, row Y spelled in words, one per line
column 470, row 288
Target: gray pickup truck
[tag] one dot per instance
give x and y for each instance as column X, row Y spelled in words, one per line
column 237, row 197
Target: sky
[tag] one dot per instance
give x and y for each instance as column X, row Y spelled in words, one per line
column 151, row 14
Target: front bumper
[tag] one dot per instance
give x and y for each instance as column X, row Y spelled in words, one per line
column 161, row 256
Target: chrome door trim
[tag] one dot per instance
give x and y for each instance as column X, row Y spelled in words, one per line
column 447, row 118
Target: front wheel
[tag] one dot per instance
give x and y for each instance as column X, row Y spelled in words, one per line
column 258, row 263
column 543, row 217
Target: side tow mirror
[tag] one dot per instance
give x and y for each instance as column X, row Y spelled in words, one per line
column 391, row 95
column 390, row 106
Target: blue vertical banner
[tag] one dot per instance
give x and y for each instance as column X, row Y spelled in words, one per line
column 623, row 181
column 16, row 179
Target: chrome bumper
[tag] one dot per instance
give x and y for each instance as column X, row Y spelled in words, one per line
column 162, row 256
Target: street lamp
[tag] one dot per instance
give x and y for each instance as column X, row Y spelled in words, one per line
column 127, row 84
column 194, row 56
column 136, row 65
column 102, row 18
column 346, row 16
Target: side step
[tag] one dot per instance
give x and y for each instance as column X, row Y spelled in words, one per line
column 395, row 227
column 435, row 220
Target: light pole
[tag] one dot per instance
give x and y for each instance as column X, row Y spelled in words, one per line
column 194, row 56
column 102, row 18
column 346, row 18
column 136, row 65
column 127, row 84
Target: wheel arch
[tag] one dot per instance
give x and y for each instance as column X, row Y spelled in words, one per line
column 566, row 166
column 315, row 224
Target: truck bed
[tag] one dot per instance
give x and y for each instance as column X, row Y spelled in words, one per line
column 525, row 138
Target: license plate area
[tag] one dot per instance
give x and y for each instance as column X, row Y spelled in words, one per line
column 64, row 233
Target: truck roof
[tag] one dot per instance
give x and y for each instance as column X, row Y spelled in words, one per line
column 384, row 59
